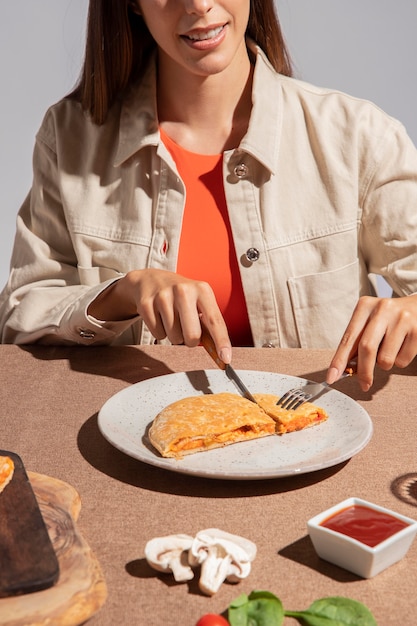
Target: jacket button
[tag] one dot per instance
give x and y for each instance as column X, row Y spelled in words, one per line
column 85, row 333
column 252, row 254
column 241, row 170
column 268, row 344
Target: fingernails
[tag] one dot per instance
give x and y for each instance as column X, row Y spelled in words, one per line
column 333, row 374
column 226, row 355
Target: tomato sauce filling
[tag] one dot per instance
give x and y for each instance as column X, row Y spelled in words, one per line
column 364, row 524
column 227, row 437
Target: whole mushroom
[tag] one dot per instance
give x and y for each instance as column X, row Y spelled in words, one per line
column 222, row 556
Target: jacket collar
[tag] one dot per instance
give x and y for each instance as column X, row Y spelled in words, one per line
column 263, row 135
column 139, row 120
column 138, row 117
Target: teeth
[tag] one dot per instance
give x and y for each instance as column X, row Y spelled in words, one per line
column 206, row 35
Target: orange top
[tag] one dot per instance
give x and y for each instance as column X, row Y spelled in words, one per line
column 206, row 250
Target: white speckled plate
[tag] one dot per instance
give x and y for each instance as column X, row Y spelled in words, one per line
column 124, row 420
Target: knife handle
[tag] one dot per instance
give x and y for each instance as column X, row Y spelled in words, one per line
column 208, row 343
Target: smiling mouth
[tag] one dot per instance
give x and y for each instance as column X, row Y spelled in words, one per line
column 204, row 35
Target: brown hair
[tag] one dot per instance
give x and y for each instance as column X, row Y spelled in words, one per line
column 118, row 46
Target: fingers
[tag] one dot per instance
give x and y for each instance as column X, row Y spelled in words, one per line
column 172, row 313
column 381, row 331
column 218, row 331
column 349, row 346
column 362, row 338
column 177, row 307
column 399, row 345
column 172, row 306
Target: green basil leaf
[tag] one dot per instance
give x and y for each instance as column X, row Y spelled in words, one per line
column 335, row 611
column 261, row 608
column 237, row 614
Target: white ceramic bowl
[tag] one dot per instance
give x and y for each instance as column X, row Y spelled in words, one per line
column 354, row 555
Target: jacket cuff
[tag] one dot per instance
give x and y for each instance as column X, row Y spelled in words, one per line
column 77, row 326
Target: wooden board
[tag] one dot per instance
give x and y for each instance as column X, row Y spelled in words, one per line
column 27, row 557
column 81, row 589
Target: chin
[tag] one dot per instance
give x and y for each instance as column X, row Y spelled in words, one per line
column 211, row 67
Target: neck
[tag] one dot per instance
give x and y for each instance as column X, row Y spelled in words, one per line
column 206, row 114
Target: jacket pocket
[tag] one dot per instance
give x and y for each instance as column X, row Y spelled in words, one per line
column 323, row 304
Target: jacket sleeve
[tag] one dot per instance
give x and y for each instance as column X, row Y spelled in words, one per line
column 388, row 229
column 44, row 300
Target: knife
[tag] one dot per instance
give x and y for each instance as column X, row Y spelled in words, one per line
column 208, row 343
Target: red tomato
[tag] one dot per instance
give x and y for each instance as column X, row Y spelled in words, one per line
column 212, row 619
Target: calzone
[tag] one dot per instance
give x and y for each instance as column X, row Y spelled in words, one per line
column 208, row 421
column 288, row 421
column 198, row 423
column 6, row 471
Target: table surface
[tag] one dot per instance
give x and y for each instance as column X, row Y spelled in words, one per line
column 50, row 398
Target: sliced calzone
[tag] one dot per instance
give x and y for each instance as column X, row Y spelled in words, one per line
column 6, row 471
column 199, row 423
column 288, row 421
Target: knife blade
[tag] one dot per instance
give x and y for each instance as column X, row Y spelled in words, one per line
column 208, row 344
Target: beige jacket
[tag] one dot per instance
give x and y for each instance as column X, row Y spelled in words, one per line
column 321, row 192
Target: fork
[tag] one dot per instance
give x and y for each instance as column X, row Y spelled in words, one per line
column 294, row 398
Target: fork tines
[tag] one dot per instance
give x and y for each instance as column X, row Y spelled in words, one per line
column 293, row 399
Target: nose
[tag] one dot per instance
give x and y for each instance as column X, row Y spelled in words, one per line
column 198, row 7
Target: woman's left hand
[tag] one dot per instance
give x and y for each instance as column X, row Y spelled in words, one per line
column 381, row 331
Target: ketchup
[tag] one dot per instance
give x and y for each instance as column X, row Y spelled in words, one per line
column 364, row 524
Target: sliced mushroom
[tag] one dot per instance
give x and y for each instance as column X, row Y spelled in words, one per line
column 222, row 556
column 170, row 554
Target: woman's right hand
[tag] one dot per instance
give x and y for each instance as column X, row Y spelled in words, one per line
column 170, row 305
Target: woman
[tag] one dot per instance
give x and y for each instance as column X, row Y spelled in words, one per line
column 189, row 178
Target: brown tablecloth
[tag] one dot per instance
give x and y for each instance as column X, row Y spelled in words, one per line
column 50, row 398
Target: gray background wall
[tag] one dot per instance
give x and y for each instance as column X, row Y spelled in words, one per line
column 365, row 47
